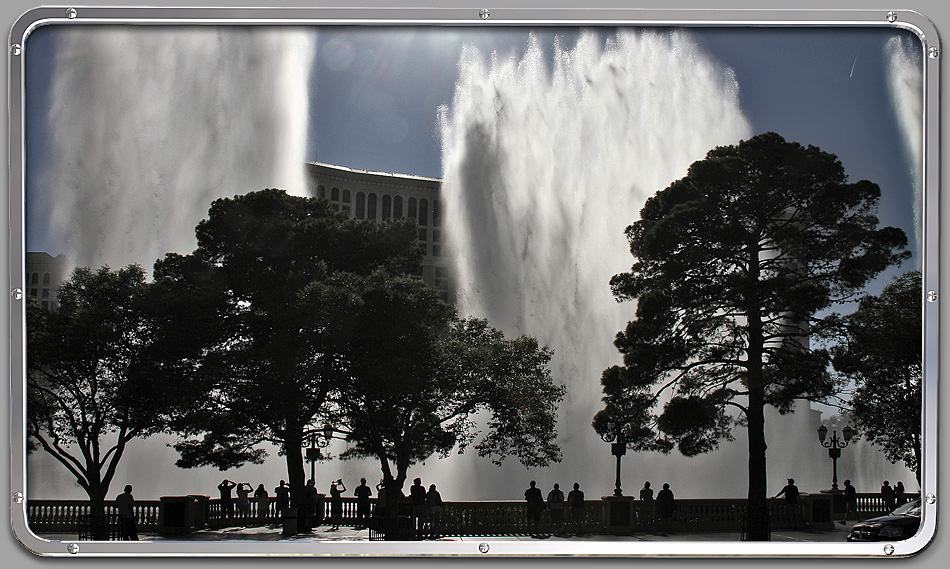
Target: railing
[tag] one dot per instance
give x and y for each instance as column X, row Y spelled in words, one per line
column 485, row 518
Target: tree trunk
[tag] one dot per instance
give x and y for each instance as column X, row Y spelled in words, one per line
column 97, row 512
column 293, row 453
column 757, row 515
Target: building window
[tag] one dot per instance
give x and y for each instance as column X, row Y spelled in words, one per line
column 46, row 304
column 387, row 206
column 336, row 207
column 346, row 209
column 346, row 196
column 33, row 292
column 335, row 194
column 441, row 273
column 437, row 213
column 360, row 205
column 35, row 279
column 45, row 278
column 423, row 211
column 412, row 208
column 423, row 237
column 436, row 250
column 437, row 235
column 397, row 206
column 45, row 293
column 371, row 207
column 321, row 192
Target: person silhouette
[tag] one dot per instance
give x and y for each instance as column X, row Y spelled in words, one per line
column 435, row 506
column 900, row 498
column 556, row 504
column 850, row 501
column 665, row 505
column 646, row 507
column 336, row 502
column 263, row 502
column 243, row 490
column 124, row 503
column 362, row 494
column 576, row 499
column 887, row 493
column 227, row 505
column 417, row 496
column 535, row 503
column 281, row 497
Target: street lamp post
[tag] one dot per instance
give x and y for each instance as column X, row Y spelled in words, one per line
column 618, row 448
column 318, row 440
column 834, row 447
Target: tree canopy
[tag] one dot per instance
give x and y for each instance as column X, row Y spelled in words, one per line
column 257, row 315
column 733, row 265
column 881, row 352
column 419, row 375
column 91, row 388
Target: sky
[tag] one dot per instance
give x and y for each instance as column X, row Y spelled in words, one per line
column 373, row 96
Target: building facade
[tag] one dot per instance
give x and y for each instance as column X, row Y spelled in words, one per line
column 380, row 196
column 44, row 274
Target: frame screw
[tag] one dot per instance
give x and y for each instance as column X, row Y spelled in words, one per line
column 931, row 296
column 17, row 294
column 18, row 497
column 483, row 547
column 71, row 14
column 931, row 499
column 889, row 549
column 892, row 17
column 73, row 548
column 16, row 49
column 933, row 52
column 484, row 14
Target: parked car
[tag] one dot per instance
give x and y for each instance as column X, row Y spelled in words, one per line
column 900, row 524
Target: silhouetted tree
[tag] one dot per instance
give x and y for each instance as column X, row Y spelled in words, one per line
column 881, row 352
column 90, row 388
column 257, row 318
column 421, row 380
column 733, row 263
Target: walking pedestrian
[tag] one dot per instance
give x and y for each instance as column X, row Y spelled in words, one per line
column 124, row 503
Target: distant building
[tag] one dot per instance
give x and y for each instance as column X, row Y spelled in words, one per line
column 380, row 196
column 44, row 274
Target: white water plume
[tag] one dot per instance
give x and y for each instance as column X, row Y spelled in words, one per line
column 151, row 124
column 543, row 170
column 906, row 88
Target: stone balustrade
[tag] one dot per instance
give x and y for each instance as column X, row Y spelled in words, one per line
column 481, row 518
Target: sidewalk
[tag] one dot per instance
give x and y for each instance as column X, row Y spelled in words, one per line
column 273, row 533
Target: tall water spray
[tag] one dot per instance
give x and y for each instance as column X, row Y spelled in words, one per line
column 149, row 125
column 544, row 167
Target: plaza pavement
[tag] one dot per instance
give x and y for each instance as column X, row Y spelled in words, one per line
column 273, row 533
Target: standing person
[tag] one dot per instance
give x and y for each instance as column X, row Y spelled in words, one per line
column 282, row 497
column 665, row 505
column 311, row 499
column 556, row 504
column 336, row 503
column 535, row 504
column 887, row 493
column 362, row 494
column 576, row 499
column 263, row 503
column 243, row 504
column 850, row 501
column 791, row 500
column 227, row 505
column 124, row 502
column 417, row 495
column 646, row 497
column 900, row 498
column 435, row 507
column 381, row 499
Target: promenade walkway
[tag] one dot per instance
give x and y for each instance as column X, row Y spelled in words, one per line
column 273, row 533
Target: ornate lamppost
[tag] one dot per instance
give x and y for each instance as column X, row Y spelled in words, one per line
column 834, row 447
column 618, row 447
column 318, row 440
